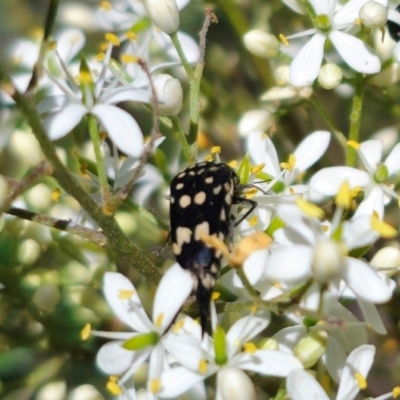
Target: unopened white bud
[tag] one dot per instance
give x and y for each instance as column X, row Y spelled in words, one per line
column 170, row 94
column 311, row 347
column 282, row 75
column 328, row 261
column 330, row 76
column 268, row 344
column 165, row 14
column 255, row 120
column 234, row 384
column 373, row 14
column 262, row 44
column 386, row 259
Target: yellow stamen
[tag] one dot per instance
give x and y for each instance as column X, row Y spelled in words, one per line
column 208, row 158
column 215, row 296
column 216, row 150
column 343, row 198
column 155, row 385
column 104, row 46
column 248, row 245
column 233, row 164
column 324, row 228
column 355, row 191
column 358, row 21
column 283, row 39
column 385, row 230
column 250, row 347
column 253, row 220
column 257, row 168
column 100, row 56
column 128, row 59
column 159, row 320
column 112, row 386
column 253, row 309
column 178, row 326
column 112, row 38
column 352, row 143
column 125, row 294
column 361, row 381
column 53, row 45
column 86, row 331
column 396, row 392
column 105, row 5
column 85, row 77
column 251, row 193
column 290, row 164
column 310, row 209
column 132, row 36
column 202, row 366
column 56, row 194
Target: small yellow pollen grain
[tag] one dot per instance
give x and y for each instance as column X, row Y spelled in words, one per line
column 216, row 150
column 357, row 21
column 125, row 294
column 155, row 385
column 343, row 198
column 202, row 366
column 253, row 220
column 215, row 296
column 85, row 77
column 352, row 143
column 361, row 381
column 100, row 56
column 324, row 228
column 253, row 309
column 250, row 347
column 132, row 36
column 208, row 158
column 56, row 194
column 385, row 230
column 53, row 45
column 159, row 320
column 250, row 244
column 233, row 164
column 104, row 46
column 277, row 285
column 310, row 209
column 128, row 59
column 86, row 331
column 390, row 346
column 257, row 168
column 291, row 190
column 283, row 39
column 251, row 193
column 178, row 326
column 396, row 392
column 110, row 37
column 105, row 5
column 112, row 386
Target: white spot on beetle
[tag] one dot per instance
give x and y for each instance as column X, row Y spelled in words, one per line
column 217, row 189
column 209, row 180
column 200, row 198
column 204, row 227
column 179, row 186
column 185, row 201
column 183, row 235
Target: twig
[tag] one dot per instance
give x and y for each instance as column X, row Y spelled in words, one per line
column 61, row 224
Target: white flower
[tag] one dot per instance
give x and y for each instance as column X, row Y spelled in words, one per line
column 132, row 349
column 170, row 94
column 255, row 120
column 165, row 14
column 373, row 14
column 330, row 76
column 261, row 43
column 358, row 55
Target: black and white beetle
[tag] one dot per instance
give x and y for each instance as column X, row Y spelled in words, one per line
column 200, row 203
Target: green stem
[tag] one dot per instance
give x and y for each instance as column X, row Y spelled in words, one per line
column 101, row 169
column 328, row 120
column 310, row 11
column 246, row 283
column 182, row 55
column 177, row 128
column 355, row 119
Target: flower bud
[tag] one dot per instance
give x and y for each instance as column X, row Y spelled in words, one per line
column 328, row 261
column 268, row 344
column 386, row 258
column 170, row 94
column 262, row 44
column 234, row 384
column 165, row 14
column 373, row 14
column 330, row 76
column 255, row 120
column 311, row 347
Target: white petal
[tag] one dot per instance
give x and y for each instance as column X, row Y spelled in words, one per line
column 288, row 337
column 334, row 359
column 52, row 103
column 254, row 265
column 234, row 384
column 302, row 386
column 359, row 360
column 355, row 53
column 129, row 310
column 393, row 160
column 357, row 232
column 306, row 65
column 290, row 265
column 117, row 95
column 348, row 13
column 311, row 299
column 373, row 202
column 243, row 330
column 372, row 152
column 157, row 362
column 174, row 288
column 121, row 127
column 366, row 282
column 295, row 5
column 62, row 122
column 372, row 316
column 70, row 43
column 321, row 6
column 328, row 180
column 267, row 362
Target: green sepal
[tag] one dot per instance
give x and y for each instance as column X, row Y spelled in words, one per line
column 244, row 170
column 381, row 174
column 278, row 187
column 309, row 321
column 225, row 294
column 275, row 224
column 142, row 341
column 220, row 345
column 141, row 25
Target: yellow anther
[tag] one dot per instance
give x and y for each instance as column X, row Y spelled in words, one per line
column 343, row 198
column 132, row 36
column 105, row 5
column 128, row 59
column 396, row 392
column 104, row 46
column 125, row 294
column 233, row 164
column 253, row 220
column 361, row 381
column 324, row 228
column 257, row 168
column 277, row 285
column 352, row 143
column 85, row 77
column 203, row 142
column 215, row 296
column 178, row 326
column 110, row 37
column 291, row 190
column 357, row 21
column 216, row 150
column 86, row 331
column 290, row 164
column 100, row 56
column 253, row 310
column 56, row 194
column 355, row 191
column 310, row 209
column 208, row 158
column 155, row 385
column 53, row 45
column 283, row 39
column 250, row 347
column 112, row 386
column 202, row 366
column 251, row 193
column 159, row 320
column 385, row 230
